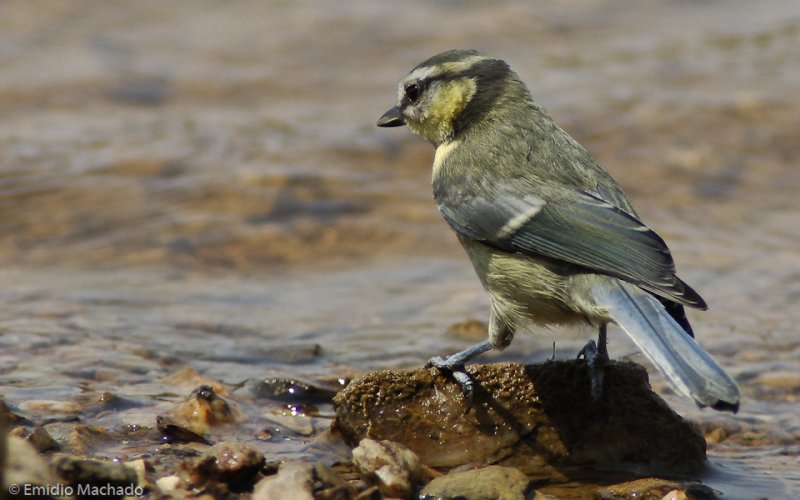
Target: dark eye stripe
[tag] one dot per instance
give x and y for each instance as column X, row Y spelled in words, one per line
column 414, row 90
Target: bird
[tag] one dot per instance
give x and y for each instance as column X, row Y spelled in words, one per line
column 550, row 234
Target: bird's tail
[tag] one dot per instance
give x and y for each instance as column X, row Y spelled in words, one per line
column 689, row 368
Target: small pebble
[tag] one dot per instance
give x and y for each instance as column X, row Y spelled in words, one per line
column 294, row 481
column 395, row 467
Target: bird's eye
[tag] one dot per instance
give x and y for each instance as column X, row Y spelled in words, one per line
column 412, row 92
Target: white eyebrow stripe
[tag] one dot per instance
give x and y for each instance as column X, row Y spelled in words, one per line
column 426, row 72
column 451, row 67
column 423, row 73
column 464, row 64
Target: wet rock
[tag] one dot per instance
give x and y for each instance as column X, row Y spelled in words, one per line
column 292, row 391
column 168, row 484
column 24, row 466
column 78, row 439
column 38, row 437
column 350, row 475
column 42, row 441
column 294, row 481
column 172, row 432
column 487, row 483
column 51, row 407
column 658, row 489
column 297, row 424
column 739, row 432
column 10, row 417
column 234, row 464
column 538, row 418
column 205, row 407
column 643, row 488
column 201, row 411
column 329, row 485
column 83, row 471
column 675, row 495
column 394, row 467
column 108, row 401
column 135, row 433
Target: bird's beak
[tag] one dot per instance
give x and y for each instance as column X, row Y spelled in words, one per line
column 391, row 118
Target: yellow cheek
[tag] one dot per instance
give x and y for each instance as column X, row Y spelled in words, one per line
column 447, row 105
column 451, row 101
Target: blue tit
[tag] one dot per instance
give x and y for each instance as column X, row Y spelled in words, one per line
column 552, row 237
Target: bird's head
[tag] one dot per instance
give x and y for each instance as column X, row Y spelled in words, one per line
column 450, row 92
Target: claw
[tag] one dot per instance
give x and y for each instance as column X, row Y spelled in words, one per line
column 589, row 351
column 455, row 365
column 459, row 374
column 596, row 357
column 467, row 387
column 595, row 362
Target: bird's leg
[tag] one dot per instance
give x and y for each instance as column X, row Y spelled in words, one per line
column 455, row 365
column 596, row 356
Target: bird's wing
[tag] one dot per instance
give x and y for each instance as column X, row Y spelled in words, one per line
column 583, row 229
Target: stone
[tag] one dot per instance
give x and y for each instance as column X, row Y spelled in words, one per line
column 78, row 470
column 77, row 438
column 486, row 483
column 42, row 441
column 539, row 418
column 294, row 481
column 24, row 466
column 329, row 485
column 205, row 409
column 394, row 467
column 234, row 464
column 291, row 391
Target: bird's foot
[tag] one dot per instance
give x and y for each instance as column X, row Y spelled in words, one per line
column 596, row 360
column 455, row 366
column 459, row 373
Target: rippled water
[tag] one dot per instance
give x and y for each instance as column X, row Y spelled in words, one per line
column 200, row 184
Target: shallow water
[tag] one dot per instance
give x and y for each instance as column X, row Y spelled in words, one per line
column 200, row 184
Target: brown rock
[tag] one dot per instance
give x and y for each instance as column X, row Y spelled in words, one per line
column 23, row 467
column 207, row 405
column 78, row 470
column 294, row 481
column 487, row 483
column 659, row 489
column 395, row 468
column 79, row 439
column 38, row 437
column 299, row 481
column 234, row 464
column 202, row 410
column 540, row 418
column 329, row 485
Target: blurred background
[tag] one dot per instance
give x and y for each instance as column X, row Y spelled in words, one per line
column 201, row 184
